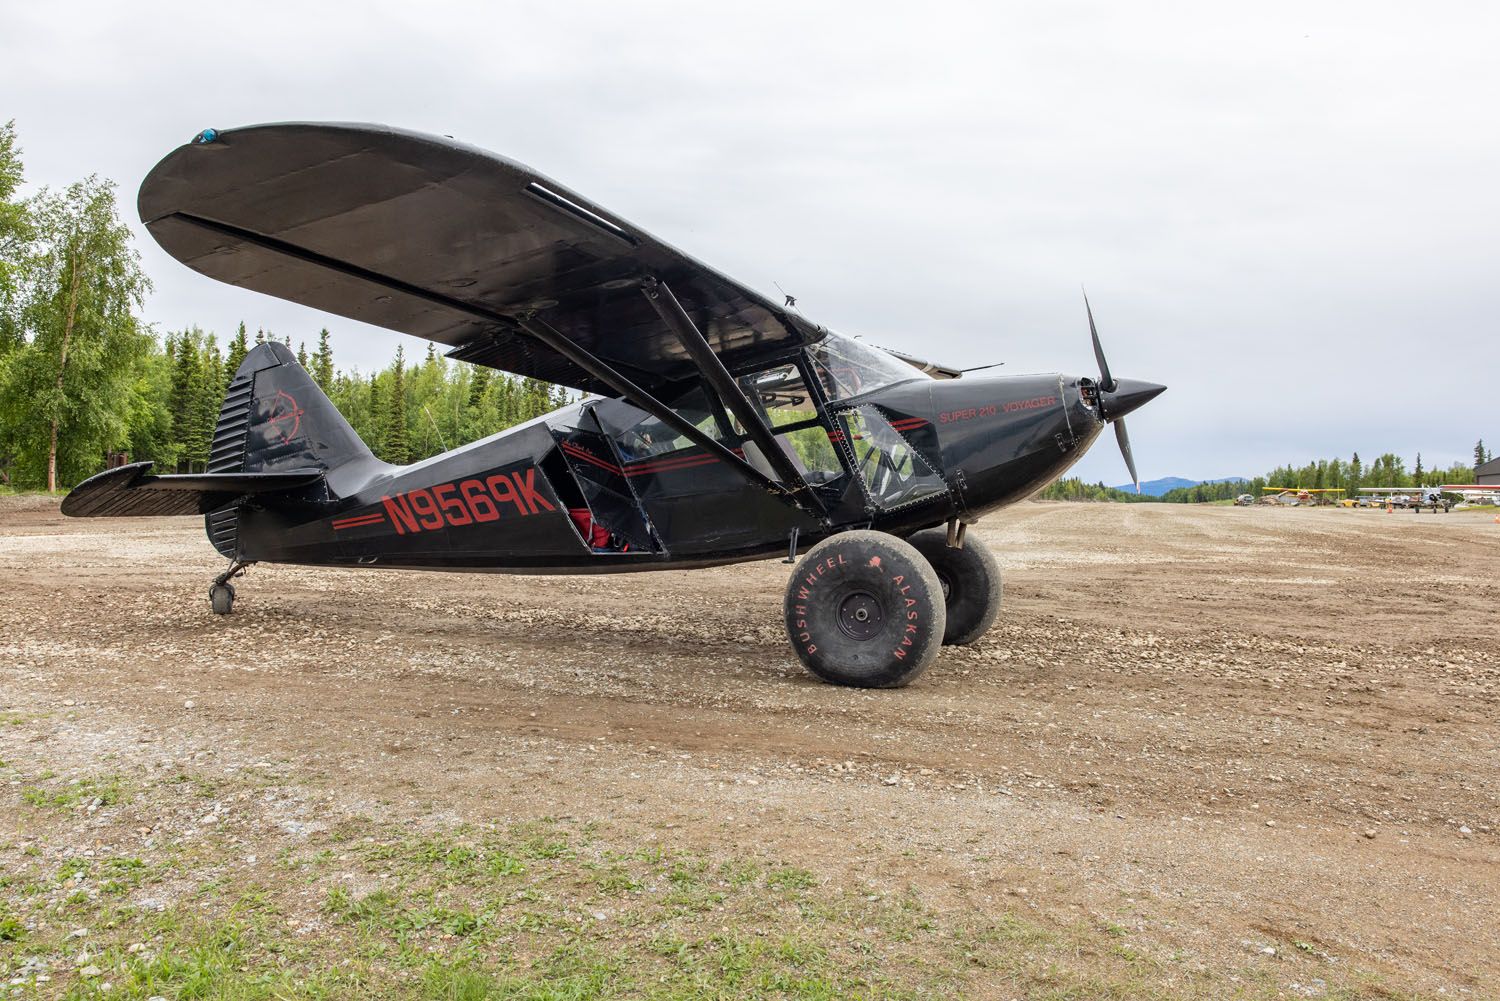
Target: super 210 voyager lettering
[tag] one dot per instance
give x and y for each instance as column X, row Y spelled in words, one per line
column 954, row 416
column 465, row 502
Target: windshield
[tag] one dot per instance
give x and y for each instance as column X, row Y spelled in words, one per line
column 849, row 368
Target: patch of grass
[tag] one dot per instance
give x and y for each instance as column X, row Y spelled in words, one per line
column 443, row 852
column 687, row 874
column 107, row 790
column 740, row 873
column 442, row 982
column 73, row 867
column 203, row 960
column 374, row 909
column 616, row 880
column 11, row 928
column 502, row 863
column 542, row 846
column 790, row 878
column 203, row 787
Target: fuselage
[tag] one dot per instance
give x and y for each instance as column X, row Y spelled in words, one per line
column 597, row 486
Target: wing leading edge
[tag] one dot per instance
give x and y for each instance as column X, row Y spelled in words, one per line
column 447, row 242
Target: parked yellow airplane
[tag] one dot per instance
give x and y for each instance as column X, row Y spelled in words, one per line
column 1302, row 495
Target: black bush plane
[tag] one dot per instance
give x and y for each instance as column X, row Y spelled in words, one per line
column 718, row 426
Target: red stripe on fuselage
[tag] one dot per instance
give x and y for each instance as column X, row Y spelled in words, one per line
column 587, row 456
column 643, row 466
column 359, row 522
column 668, row 465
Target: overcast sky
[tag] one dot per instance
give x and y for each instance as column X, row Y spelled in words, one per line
column 1286, row 212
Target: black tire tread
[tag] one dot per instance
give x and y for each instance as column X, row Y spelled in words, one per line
column 975, row 609
column 860, row 546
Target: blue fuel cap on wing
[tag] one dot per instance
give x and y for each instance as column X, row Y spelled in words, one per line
column 206, row 136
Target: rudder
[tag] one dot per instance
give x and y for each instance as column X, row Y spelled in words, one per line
column 275, row 418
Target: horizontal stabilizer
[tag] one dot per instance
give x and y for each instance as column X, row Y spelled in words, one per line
column 131, row 491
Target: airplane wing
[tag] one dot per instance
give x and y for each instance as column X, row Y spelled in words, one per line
column 438, row 239
column 932, row 368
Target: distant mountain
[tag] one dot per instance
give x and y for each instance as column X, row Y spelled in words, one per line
column 1155, row 488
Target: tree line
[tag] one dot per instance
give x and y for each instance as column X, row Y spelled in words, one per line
column 82, row 376
column 404, row 412
column 1386, row 470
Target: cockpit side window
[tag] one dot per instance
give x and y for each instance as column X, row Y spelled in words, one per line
column 892, row 472
column 650, row 436
column 782, row 395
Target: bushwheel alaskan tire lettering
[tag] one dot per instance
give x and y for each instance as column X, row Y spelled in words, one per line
column 970, row 578
column 865, row 609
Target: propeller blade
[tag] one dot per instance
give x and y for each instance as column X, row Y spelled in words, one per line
column 1106, row 381
column 1124, row 439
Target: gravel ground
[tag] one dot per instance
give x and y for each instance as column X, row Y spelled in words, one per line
column 1259, row 742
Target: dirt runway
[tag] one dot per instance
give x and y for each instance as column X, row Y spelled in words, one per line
column 1262, row 743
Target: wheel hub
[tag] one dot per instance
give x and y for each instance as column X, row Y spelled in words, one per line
column 861, row 616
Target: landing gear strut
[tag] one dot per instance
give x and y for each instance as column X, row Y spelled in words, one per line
column 221, row 592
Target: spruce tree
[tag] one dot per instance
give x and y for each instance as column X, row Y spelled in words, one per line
column 322, row 370
column 478, row 383
column 503, row 391
column 260, row 336
column 208, row 397
column 238, row 348
column 374, row 435
column 1479, row 454
column 1416, row 476
column 397, row 444
column 302, row 354
column 185, row 377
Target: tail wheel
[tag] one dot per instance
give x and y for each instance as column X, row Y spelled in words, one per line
column 971, row 584
column 221, row 598
column 865, row 609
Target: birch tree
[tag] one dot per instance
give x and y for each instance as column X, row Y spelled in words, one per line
column 65, row 399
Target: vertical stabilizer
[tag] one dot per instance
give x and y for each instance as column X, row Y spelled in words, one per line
column 275, row 418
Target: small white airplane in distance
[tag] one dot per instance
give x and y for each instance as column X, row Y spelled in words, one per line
column 1415, row 498
column 1437, row 498
column 1473, row 493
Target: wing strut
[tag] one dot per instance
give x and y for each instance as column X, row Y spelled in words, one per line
column 678, row 321
column 638, row 397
